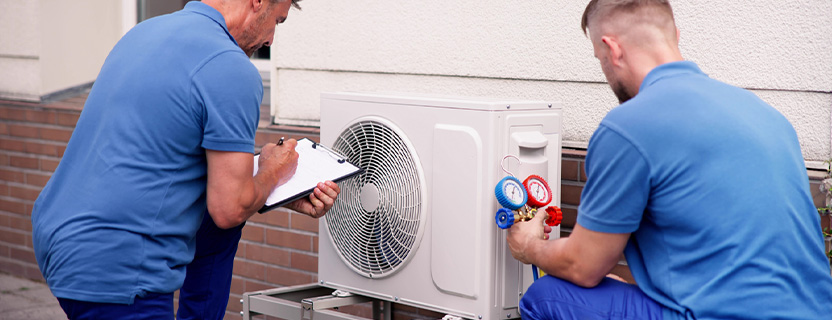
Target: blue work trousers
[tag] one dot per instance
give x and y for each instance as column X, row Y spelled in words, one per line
column 204, row 295
column 553, row 298
column 151, row 306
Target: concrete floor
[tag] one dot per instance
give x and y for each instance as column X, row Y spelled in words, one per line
column 23, row 299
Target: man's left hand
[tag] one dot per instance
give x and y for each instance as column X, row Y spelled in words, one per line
column 319, row 201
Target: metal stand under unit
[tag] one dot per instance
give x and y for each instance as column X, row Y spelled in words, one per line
column 308, row 302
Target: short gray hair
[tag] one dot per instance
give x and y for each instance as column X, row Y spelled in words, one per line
column 294, row 3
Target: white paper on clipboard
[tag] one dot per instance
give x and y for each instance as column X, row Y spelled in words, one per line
column 316, row 163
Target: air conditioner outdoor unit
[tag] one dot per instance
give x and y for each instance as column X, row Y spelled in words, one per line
column 417, row 227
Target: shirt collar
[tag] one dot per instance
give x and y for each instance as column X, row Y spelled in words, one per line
column 668, row 70
column 210, row 12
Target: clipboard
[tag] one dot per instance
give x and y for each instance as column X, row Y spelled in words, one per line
column 316, row 163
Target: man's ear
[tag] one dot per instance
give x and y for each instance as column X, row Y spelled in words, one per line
column 614, row 50
column 257, row 5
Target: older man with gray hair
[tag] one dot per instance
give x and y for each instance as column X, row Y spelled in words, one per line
column 159, row 168
column 701, row 185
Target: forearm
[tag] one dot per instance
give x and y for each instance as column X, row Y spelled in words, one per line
column 232, row 206
column 583, row 258
column 233, row 194
column 236, row 206
column 560, row 258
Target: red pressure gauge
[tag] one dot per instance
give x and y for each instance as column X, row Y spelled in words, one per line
column 539, row 192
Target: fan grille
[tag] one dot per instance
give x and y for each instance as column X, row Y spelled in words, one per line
column 375, row 222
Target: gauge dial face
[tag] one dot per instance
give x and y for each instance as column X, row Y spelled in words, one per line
column 511, row 193
column 539, row 192
column 514, row 192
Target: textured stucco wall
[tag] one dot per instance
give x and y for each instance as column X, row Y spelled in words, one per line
column 76, row 37
column 19, row 49
column 536, row 50
column 51, row 45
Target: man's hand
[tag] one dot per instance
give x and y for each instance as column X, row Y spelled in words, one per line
column 279, row 162
column 525, row 237
column 583, row 258
column 282, row 161
column 319, row 201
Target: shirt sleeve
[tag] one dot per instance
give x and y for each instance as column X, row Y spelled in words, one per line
column 618, row 186
column 230, row 91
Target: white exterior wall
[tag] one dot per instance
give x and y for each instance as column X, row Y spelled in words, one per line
column 536, row 50
column 19, row 49
column 51, row 45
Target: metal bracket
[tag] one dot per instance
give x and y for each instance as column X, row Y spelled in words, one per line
column 303, row 302
column 341, row 293
column 338, row 298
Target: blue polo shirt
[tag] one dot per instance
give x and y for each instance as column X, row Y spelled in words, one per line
column 118, row 217
column 710, row 181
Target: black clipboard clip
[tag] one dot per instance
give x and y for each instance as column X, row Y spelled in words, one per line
column 331, row 153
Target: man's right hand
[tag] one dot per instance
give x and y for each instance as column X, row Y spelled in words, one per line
column 278, row 162
column 525, row 236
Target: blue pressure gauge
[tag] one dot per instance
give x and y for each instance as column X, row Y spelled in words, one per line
column 511, row 193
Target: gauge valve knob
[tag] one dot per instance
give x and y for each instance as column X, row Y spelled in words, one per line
column 504, row 218
column 555, row 216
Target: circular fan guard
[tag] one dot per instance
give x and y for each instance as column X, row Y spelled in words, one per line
column 376, row 222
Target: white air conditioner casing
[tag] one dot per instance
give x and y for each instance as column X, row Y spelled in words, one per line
column 458, row 261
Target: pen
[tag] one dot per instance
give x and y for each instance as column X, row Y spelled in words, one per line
column 280, row 142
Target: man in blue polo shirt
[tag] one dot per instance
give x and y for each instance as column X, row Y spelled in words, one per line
column 700, row 184
column 166, row 133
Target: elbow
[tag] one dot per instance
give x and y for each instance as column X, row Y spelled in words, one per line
column 587, row 281
column 227, row 223
column 584, row 277
column 226, row 218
